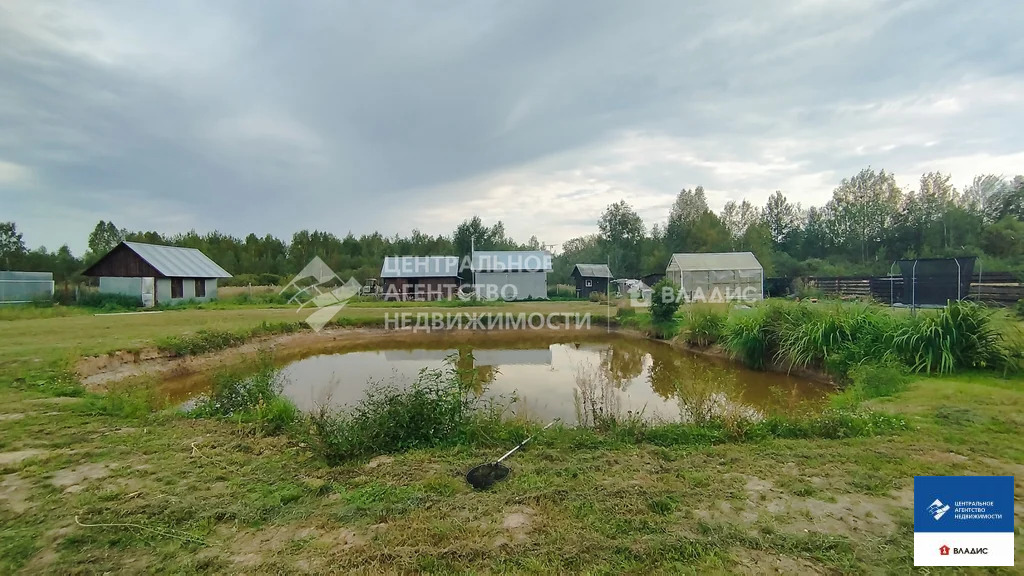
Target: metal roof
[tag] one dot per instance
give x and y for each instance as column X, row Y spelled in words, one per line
column 420, row 267
column 17, row 276
column 593, row 270
column 512, row 261
column 178, row 262
column 716, row 261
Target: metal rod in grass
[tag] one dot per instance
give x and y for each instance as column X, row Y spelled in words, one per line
column 484, row 476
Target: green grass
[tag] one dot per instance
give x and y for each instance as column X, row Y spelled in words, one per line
column 830, row 494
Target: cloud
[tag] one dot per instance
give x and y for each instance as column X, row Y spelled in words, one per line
column 278, row 116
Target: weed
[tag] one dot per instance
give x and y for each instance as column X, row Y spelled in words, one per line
column 872, row 380
column 436, row 409
column 252, row 398
column 704, row 326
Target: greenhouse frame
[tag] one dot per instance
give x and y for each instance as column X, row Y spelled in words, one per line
column 717, row 276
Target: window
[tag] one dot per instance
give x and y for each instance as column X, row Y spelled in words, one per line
column 588, row 283
column 200, row 288
column 177, row 288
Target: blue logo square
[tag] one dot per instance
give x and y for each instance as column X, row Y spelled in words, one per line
column 963, row 504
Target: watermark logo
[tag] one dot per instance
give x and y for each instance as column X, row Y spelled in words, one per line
column 438, row 321
column 937, row 509
column 318, row 286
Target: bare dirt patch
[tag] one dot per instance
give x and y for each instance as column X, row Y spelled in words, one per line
column 253, row 548
column 517, row 526
column 19, row 455
column 380, row 461
column 74, row 479
column 848, row 515
column 759, row 562
column 15, row 492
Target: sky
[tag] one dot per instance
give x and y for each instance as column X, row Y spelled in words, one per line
column 361, row 116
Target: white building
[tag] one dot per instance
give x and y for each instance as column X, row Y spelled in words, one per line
column 511, row 275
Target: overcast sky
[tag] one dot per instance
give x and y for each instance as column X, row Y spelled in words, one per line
column 274, row 116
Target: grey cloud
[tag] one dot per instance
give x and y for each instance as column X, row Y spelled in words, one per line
column 277, row 116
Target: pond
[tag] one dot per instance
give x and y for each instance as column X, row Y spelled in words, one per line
column 540, row 379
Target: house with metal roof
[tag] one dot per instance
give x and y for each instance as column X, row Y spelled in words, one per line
column 157, row 274
column 511, row 274
column 591, row 278
column 420, row 277
column 717, row 276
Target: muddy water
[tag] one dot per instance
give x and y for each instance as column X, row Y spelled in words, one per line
column 542, row 379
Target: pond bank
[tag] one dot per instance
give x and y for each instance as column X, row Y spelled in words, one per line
column 98, row 372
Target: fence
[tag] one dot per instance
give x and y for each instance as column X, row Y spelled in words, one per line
column 999, row 288
column 25, row 286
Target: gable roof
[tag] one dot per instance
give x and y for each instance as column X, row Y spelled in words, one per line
column 420, row 267
column 716, row 261
column 171, row 261
column 512, row 261
column 592, row 270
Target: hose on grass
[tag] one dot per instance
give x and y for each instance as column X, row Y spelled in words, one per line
column 183, row 536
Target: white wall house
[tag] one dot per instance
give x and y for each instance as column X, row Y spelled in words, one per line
column 511, row 275
column 157, row 274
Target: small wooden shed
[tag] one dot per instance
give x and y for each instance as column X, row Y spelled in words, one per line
column 420, row 277
column 591, row 278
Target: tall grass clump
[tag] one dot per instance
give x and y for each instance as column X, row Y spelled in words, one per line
column 836, row 338
column 704, row 326
column 961, row 335
column 436, row 409
column 254, row 397
column 745, row 335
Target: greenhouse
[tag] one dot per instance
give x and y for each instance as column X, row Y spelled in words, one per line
column 717, row 276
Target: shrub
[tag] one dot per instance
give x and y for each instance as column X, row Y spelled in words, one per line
column 1020, row 308
column 665, row 302
column 597, row 297
column 704, row 326
column 109, row 302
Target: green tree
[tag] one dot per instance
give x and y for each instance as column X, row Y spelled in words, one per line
column 621, row 232
column 103, row 238
column 12, row 245
column 864, row 209
column 781, row 218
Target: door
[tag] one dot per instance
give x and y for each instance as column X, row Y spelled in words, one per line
column 148, row 292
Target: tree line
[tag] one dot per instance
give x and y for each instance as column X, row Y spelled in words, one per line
column 869, row 222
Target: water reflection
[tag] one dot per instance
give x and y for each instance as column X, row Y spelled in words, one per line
column 570, row 380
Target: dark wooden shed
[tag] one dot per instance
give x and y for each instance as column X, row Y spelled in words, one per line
column 591, row 278
column 420, row 277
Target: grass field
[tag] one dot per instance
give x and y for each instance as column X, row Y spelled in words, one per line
column 92, row 484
